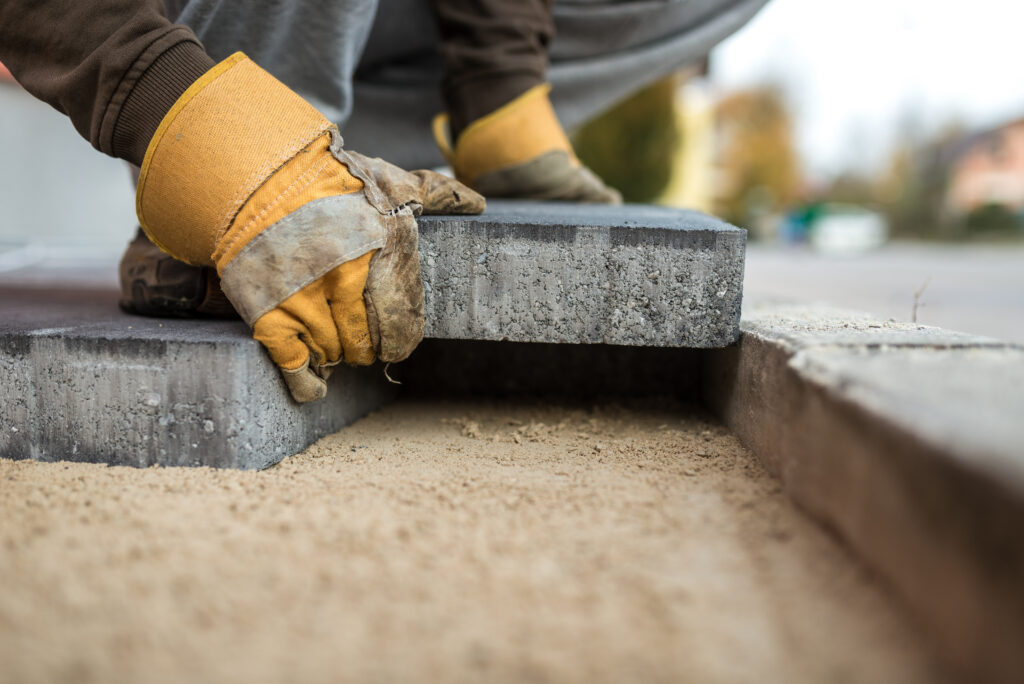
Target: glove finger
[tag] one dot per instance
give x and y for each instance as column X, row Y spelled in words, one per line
column 553, row 176
column 401, row 187
column 590, row 188
column 309, row 306
column 318, row 326
column 394, row 291
column 348, row 309
column 443, row 195
column 305, row 385
column 435, row 193
column 281, row 334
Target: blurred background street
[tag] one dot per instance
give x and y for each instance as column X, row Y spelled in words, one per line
column 975, row 288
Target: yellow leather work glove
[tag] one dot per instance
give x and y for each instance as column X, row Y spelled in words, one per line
column 521, row 151
column 316, row 247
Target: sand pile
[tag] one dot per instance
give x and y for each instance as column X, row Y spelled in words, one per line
column 443, row 541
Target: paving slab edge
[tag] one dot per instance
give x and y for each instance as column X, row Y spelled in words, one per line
column 941, row 520
column 163, row 392
column 542, row 272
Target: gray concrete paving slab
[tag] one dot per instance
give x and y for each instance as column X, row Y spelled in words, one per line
column 530, row 272
column 544, row 272
column 80, row 381
column 907, row 441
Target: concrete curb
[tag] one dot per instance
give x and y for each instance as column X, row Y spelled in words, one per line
column 909, row 442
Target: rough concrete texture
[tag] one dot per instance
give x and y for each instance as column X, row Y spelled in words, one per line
column 908, row 441
column 470, row 541
column 545, row 272
column 81, row 381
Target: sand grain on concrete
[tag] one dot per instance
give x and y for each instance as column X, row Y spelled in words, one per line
column 443, row 541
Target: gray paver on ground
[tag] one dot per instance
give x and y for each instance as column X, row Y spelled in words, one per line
column 545, row 272
column 908, row 441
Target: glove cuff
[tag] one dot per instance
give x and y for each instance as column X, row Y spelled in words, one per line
column 229, row 132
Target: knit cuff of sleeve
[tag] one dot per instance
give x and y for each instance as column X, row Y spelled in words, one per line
column 154, row 93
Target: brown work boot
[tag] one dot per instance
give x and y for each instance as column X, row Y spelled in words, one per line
column 153, row 283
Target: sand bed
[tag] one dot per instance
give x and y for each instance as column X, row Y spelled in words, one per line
column 443, row 541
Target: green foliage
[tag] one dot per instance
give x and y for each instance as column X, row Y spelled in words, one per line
column 631, row 146
column 992, row 218
column 757, row 157
column 912, row 189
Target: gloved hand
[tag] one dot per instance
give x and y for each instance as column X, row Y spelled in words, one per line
column 316, row 247
column 521, row 151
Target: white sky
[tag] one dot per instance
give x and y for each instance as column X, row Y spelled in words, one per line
column 856, row 69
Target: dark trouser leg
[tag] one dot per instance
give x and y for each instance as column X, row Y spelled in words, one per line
column 492, row 51
column 602, row 52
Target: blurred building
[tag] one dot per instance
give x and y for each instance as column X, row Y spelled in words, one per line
column 988, row 169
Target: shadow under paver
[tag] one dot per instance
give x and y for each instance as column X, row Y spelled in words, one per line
column 79, row 380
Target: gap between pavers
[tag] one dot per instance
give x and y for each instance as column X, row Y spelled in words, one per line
column 909, row 442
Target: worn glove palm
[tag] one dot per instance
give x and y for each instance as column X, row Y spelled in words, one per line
column 521, row 151
column 316, row 247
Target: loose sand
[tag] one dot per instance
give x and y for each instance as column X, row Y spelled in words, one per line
column 443, row 542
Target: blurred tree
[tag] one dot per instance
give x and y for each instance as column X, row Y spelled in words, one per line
column 853, row 188
column 757, row 157
column 631, row 146
column 992, row 220
column 912, row 187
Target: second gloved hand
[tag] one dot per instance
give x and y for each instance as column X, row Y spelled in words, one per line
column 316, row 246
column 520, row 151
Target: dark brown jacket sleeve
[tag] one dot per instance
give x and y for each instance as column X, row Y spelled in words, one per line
column 114, row 67
column 492, row 51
